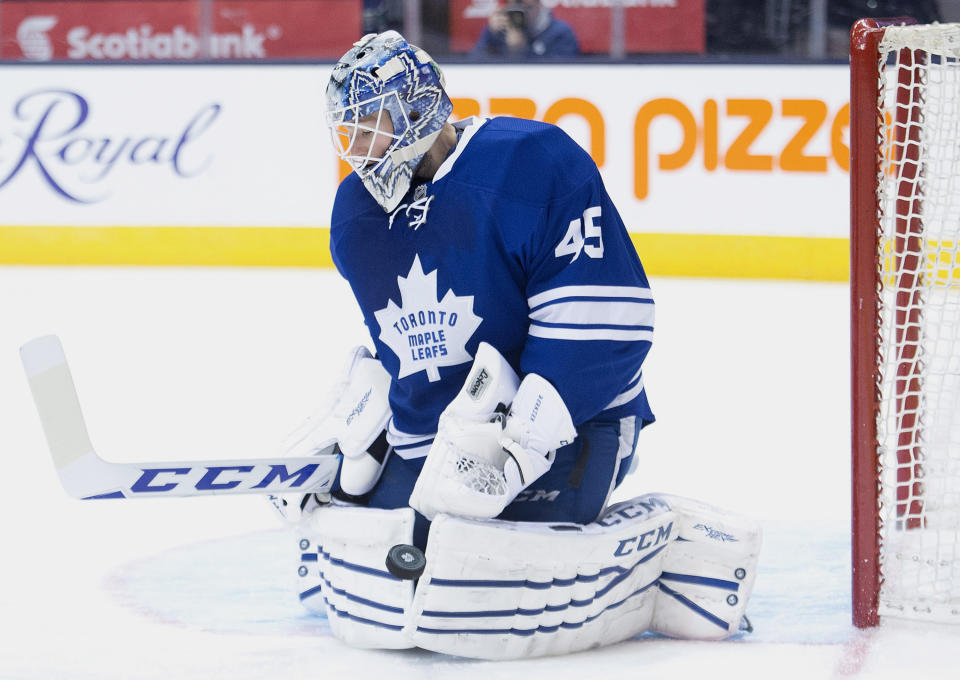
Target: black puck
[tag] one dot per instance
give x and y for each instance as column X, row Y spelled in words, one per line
column 406, row 562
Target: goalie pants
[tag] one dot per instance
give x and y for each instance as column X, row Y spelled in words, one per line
column 575, row 488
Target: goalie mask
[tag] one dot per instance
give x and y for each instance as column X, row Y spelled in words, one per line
column 384, row 82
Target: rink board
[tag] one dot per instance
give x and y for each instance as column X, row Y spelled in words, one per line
column 710, row 166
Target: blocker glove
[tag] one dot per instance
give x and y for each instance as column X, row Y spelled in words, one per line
column 351, row 421
column 538, row 424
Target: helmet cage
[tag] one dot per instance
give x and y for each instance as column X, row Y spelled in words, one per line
column 350, row 123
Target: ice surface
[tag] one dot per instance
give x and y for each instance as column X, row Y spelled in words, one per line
column 749, row 382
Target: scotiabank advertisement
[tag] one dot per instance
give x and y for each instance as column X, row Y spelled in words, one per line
column 686, row 149
column 112, row 30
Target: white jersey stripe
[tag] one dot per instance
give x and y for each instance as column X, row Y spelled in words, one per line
column 628, row 429
column 590, row 333
column 637, row 292
column 408, row 446
column 627, row 395
column 475, row 124
column 397, row 437
column 638, row 313
column 412, row 453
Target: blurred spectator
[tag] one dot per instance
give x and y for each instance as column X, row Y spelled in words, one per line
column 736, row 27
column 389, row 15
column 841, row 14
column 382, row 15
column 526, row 29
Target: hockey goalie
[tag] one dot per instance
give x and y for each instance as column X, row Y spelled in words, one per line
column 452, row 492
column 510, row 317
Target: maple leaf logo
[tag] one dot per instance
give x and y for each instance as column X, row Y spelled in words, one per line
column 425, row 332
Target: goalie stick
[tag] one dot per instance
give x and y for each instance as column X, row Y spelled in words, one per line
column 85, row 475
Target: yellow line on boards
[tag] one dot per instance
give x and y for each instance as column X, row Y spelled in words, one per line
column 694, row 255
column 167, row 246
column 745, row 257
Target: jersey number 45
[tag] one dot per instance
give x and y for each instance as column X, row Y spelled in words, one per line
column 579, row 231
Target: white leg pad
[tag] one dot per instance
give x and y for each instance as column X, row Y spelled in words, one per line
column 708, row 572
column 503, row 590
column 343, row 573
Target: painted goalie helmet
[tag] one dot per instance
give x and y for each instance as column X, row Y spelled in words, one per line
column 385, row 75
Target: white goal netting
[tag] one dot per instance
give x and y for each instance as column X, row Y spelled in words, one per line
column 919, row 325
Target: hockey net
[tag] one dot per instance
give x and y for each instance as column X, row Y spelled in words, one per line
column 905, row 285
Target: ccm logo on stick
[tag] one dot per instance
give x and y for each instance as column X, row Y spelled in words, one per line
column 149, row 481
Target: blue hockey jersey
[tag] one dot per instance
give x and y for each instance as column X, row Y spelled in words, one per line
column 514, row 242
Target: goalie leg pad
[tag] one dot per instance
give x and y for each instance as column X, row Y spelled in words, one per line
column 708, row 572
column 342, row 573
column 503, row 590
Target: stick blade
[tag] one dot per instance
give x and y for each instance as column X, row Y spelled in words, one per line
column 41, row 354
column 85, row 475
column 57, row 404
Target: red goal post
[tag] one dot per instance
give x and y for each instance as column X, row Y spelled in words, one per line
column 905, row 320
